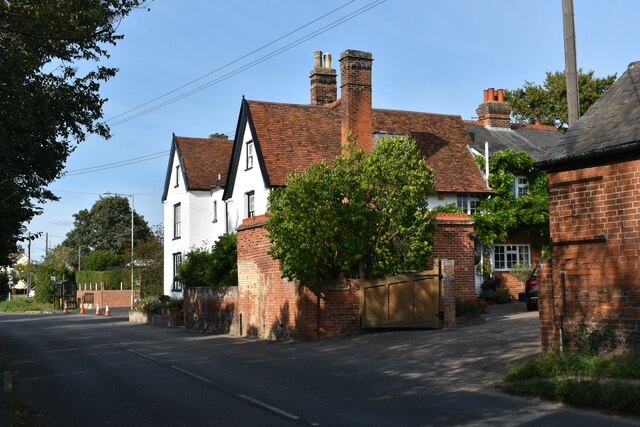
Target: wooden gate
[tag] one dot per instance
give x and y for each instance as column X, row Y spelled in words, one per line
column 410, row 300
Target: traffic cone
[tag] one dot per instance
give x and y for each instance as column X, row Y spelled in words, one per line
column 106, row 311
column 98, row 309
column 66, row 310
column 81, row 308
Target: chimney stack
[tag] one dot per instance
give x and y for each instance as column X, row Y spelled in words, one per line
column 494, row 112
column 355, row 96
column 323, row 80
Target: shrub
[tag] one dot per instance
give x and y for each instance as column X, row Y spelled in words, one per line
column 467, row 308
column 155, row 304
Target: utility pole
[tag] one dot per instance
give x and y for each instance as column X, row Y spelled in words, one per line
column 28, row 264
column 46, row 244
column 571, row 68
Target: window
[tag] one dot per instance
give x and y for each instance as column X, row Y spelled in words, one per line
column 177, row 262
column 520, row 186
column 177, row 232
column 505, row 256
column 215, row 211
column 249, row 154
column 467, row 203
column 377, row 136
column 177, row 176
column 251, row 208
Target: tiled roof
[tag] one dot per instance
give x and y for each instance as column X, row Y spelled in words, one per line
column 533, row 140
column 610, row 126
column 293, row 136
column 443, row 141
column 205, row 161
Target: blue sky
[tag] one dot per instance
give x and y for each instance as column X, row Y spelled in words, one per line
column 432, row 56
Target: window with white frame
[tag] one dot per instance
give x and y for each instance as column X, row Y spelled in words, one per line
column 177, row 262
column 250, row 202
column 177, row 230
column 215, row 211
column 249, row 154
column 520, row 186
column 177, row 176
column 377, row 136
column 506, row 256
column 466, row 203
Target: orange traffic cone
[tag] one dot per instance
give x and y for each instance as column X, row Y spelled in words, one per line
column 81, row 308
column 98, row 309
column 106, row 311
column 66, row 310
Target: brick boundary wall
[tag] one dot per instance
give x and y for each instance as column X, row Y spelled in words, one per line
column 448, row 296
column 212, row 309
column 595, row 229
column 112, row 298
column 454, row 242
column 275, row 308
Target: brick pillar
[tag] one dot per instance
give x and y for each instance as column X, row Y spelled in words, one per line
column 355, row 94
column 448, row 297
column 454, row 242
column 494, row 112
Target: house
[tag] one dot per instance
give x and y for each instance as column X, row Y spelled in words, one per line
column 18, row 258
column 194, row 213
column 589, row 293
column 273, row 140
column 493, row 132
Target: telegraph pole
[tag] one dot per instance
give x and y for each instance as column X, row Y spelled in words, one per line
column 571, row 68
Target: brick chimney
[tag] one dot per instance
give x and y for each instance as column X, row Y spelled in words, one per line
column 355, row 94
column 324, row 85
column 494, row 112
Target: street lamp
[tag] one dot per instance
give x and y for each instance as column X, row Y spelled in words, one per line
column 108, row 193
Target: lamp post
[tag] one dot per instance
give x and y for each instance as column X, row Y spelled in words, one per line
column 108, row 193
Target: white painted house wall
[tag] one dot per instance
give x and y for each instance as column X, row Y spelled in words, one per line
column 246, row 180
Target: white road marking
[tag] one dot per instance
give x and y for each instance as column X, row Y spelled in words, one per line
column 191, row 374
column 269, row 407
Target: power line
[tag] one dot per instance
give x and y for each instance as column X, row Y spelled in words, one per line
column 252, row 64
column 230, row 63
column 117, row 164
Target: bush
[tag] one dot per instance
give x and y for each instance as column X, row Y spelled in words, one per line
column 217, row 267
column 521, row 271
column 155, row 305
column 496, row 296
column 467, row 308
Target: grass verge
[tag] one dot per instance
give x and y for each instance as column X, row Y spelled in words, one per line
column 581, row 380
column 21, row 304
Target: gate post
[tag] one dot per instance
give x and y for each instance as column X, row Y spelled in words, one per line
column 448, row 294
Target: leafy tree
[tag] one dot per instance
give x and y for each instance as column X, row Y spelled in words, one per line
column 4, row 284
column 150, row 252
column 100, row 259
column 366, row 214
column 548, row 103
column 503, row 215
column 217, row 267
column 107, row 227
column 46, row 104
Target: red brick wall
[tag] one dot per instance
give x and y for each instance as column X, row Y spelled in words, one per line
column 601, row 290
column 266, row 301
column 211, row 309
column 453, row 242
column 112, row 298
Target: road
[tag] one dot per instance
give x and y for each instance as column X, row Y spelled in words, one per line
column 87, row 370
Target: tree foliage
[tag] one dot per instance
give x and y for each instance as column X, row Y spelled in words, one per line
column 99, row 260
column 366, row 214
column 547, row 103
column 218, row 267
column 107, row 227
column 46, row 104
column 503, row 215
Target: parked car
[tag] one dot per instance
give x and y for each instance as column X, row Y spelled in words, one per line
column 531, row 291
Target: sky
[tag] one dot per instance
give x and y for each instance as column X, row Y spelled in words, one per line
column 430, row 56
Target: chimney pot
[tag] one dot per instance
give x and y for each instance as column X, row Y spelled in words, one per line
column 486, row 95
column 317, row 62
column 500, row 95
column 491, row 94
column 327, row 60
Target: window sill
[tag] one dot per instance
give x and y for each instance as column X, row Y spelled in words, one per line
column 176, row 238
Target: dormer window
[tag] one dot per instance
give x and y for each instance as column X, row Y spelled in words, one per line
column 467, row 203
column 177, row 176
column 249, row 154
column 520, row 186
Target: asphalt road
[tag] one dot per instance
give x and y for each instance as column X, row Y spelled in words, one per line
column 87, row 370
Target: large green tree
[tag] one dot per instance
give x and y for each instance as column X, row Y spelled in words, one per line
column 107, row 227
column 218, row 267
column 47, row 105
column 363, row 215
column 547, row 103
column 504, row 214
